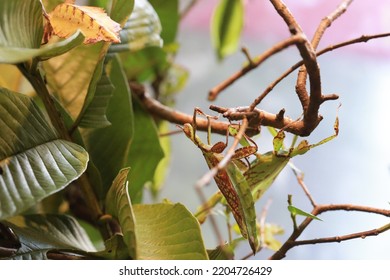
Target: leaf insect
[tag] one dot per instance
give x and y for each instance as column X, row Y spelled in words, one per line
column 230, row 181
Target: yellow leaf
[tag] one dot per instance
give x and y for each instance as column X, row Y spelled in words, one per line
column 95, row 24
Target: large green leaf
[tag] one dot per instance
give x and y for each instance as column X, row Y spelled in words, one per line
column 93, row 113
column 226, row 26
column 145, row 151
column 34, row 163
column 118, row 204
column 109, row 146
column 38, row 234
column 21, row 24
column 157, row 231
column 141, row 30
column 167, row 231
column 13, row 55
column 168, row 12
column 21, row 33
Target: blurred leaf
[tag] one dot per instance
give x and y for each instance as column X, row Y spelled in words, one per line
column 141, row 30
column 120, row 10
column 51, row 4
column 226, row 26
column 39, row 234
column 168, row 232
column 118, row 204
column 269, row 236
column 145, row 151
column 11, row 78
column 168, row 12
column 93, row 22
column 144, row 64
column 34, row 163
column 296, row 211
column 163, row 166
column 175, row 79
column 109, row 146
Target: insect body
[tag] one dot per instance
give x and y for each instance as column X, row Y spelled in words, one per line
column 230, row 182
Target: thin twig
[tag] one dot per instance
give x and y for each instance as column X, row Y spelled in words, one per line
column 299, row 177
column 187, row 9
column 361, row 39
column 338, row 239
column 263, row 217
column 291, row 241
column 255, row 63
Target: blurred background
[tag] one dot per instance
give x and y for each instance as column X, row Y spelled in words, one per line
column 353, row 168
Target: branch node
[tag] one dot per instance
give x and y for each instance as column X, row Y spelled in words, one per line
column 280, row 115
column 248, row 56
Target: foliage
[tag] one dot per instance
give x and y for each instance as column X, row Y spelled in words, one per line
column 83, row 145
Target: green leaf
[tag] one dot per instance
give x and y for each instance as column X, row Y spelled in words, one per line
column 109, row 146
column 145, row 151
column 263, row 172
column 93, row 113
column 168, row 232
column 163, row 166
column 13, row 55
column 269, row 236
column 244, row 193
column 175, row 79
column 296, row 211
column 144, row 64
column 21, row 33
column 226, row 26
column 141, row 30
column 118, row 204
column 34, row 163
column 168, row 12
column 38, row 234
column 21, row 24
column 121, row 10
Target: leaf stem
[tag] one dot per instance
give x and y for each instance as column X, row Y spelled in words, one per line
column 34, row 76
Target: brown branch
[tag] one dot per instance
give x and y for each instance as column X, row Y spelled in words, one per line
column 302, row 75
column 361, row 39
column 259, row 117
column 310, row 104
column 188, row 8
column 254, row 63
column 328, row 20
column 362, row 235
column 171, row 115
column 291, row 241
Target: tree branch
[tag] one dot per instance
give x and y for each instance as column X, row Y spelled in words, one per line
column 254, row 63
column 291, row 241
